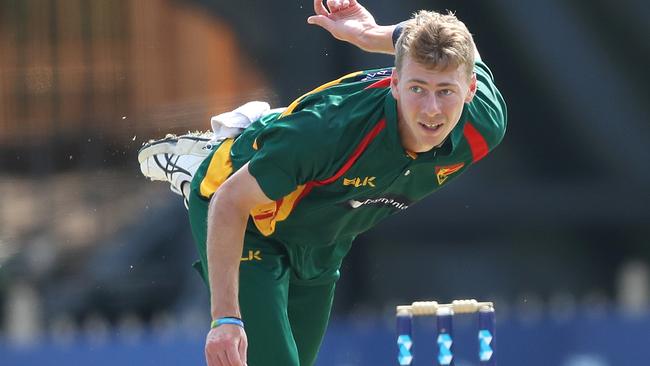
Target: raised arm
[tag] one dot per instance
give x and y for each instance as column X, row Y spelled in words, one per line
column 348, row 21
column 227, row 219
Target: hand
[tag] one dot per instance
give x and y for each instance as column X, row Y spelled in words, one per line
column 346, row 20
column 226, row 345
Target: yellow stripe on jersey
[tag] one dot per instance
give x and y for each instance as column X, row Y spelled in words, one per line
column 267, row 215
column 218, row 171
column 295, row 103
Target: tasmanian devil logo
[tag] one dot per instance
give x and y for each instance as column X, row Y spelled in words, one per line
column 443, row 172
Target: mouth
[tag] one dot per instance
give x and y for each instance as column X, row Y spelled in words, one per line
column 433, row 127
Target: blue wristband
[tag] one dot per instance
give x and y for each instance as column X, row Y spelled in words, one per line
column 227, row 320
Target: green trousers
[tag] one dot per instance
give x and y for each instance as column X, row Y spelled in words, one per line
column 285, row 321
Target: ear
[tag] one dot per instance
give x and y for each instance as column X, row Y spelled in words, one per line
column 472, row 89
column 393, row 84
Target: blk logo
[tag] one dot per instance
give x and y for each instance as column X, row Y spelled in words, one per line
column 253, row 255
column 358, row 182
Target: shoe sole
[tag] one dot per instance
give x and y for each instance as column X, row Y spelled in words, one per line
column 182, row 145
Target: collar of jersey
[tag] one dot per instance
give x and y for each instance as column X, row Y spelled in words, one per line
column 447, row 148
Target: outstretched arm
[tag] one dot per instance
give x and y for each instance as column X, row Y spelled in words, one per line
column 228, row 213
column 348, row 21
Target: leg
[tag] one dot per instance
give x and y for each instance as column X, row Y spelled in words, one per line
column 309, row 312
column 263, row 302
column 175, row 160
column 263, row 293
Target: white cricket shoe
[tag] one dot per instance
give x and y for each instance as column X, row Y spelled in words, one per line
column 175, row 159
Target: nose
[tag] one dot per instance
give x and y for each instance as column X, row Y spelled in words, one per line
column 431, row 106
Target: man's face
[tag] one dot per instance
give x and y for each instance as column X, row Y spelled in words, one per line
column 429, row 103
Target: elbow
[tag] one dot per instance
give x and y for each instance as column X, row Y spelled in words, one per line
column 237, row 196
column 225, row 201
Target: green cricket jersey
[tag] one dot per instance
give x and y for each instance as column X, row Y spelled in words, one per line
column 334, row 165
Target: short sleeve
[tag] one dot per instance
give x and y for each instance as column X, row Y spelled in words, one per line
column 488, row 109
column 290, row 151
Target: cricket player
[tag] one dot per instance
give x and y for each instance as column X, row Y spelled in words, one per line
column 275, row 208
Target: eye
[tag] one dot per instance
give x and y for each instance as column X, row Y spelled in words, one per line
column 446, row 92
column 416, row 89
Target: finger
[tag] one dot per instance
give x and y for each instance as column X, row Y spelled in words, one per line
column 242, row 348
column 333, row 5
column 321, row 21
column 345, row 4
column 212, row 358
column 319, row 8
column 232, row 355
column 223, row 360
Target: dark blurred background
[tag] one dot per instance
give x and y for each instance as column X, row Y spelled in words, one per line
column 553, row 225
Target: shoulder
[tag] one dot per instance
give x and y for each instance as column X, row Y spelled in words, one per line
column 353, row 83
column 309, row 140
column 330, row 118
column 487, row 112
column 336, row 110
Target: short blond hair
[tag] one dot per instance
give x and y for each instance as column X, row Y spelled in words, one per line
column 436, row 41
